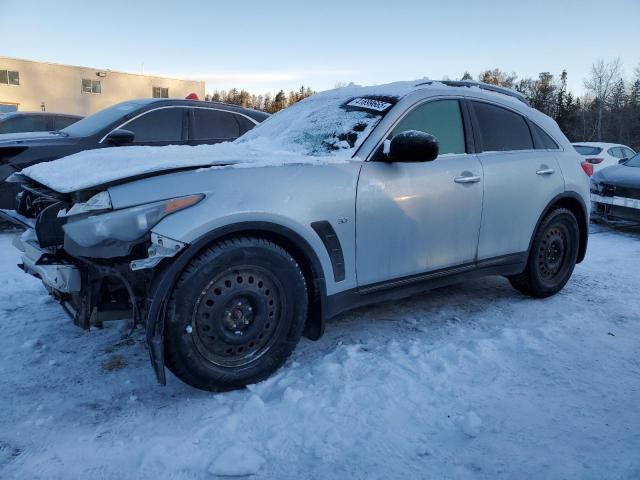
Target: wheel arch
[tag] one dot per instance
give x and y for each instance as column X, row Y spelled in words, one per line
column 573, row 202
column 167, row 275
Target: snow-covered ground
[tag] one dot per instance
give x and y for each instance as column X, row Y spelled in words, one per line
column 472, row 381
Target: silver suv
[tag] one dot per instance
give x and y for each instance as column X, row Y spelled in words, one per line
column 227, row 254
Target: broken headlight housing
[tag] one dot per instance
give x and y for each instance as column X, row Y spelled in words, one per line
column 124, row 225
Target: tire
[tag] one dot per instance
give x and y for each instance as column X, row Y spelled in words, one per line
column 552, row 257
column 235, row 315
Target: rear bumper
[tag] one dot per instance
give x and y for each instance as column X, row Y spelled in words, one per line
column 38, row 261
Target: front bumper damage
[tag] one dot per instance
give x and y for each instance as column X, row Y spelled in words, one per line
column 60, row 277
column 94, row 290
column 615, row 207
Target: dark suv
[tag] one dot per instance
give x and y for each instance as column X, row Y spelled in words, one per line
column 136, row 122
column 18, row 122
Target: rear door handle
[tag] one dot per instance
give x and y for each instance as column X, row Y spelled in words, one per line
column 546, row 171
column 467, row 179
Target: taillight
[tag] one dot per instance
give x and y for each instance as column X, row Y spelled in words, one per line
column 594, row 161
column 587, row 167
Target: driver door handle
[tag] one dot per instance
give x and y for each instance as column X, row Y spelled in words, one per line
column 546, row 171
column 467, row 179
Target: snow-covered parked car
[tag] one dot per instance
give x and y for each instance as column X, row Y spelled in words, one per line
column 229, row 253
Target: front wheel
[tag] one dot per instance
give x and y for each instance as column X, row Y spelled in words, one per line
column 552, row 257
column 236, row 314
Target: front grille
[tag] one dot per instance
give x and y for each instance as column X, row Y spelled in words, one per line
column 49, row 226
column 607, row 190
column 34, row 199
column 43, row 204
column 627, row 192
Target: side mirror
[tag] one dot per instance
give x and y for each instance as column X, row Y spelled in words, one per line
column 622, row 161
column 120, row 136
column 413, row 146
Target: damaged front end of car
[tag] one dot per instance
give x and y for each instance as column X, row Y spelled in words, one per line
column 98, row 262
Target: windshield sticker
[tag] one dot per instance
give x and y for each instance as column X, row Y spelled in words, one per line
column 369, row 104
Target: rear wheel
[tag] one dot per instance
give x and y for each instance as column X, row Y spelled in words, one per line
column 553, row 256
column 236, row 314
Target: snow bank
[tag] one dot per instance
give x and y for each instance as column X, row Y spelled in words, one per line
column 237, row 461
column 473, row 381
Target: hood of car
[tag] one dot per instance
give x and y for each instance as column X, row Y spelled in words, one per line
column 618, row 175
column 107, row 166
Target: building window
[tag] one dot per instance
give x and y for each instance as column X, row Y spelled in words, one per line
column 9, row 77
column 91, row 86
column 160, row 92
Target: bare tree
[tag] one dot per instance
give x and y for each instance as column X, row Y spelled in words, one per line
column 601, row 82
column 498, row 77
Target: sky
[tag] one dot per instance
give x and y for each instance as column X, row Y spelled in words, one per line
column 271, row 45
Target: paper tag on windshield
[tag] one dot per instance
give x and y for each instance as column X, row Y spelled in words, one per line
column 369, row 104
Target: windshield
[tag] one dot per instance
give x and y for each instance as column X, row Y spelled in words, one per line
column 99, row 120
column 633, row 161
column 332, row 123
column 587, row 150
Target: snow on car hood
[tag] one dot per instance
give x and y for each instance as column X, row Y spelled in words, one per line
column 92, row 168
column 324, row 128
column 619, row 174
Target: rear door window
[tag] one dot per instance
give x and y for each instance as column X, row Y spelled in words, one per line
column 616, row 152
column 163, row 125
column 627, row 152
column 214, row 125
column 501, row 129
column 24, row 123
column 440, row 118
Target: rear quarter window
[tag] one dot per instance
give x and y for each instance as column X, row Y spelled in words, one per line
column 541, row 139
column 587, row 150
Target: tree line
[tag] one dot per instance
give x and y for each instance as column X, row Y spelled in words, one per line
column 607, row 111
column 264, row 102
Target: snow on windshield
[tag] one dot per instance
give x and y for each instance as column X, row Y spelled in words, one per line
column 332, row 123
column 324, row 128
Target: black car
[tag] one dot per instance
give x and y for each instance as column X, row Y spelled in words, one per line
column 18, row 122
column 615, row 191
column 136, row 122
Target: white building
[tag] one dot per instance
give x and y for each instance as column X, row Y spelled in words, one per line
column 27, row 85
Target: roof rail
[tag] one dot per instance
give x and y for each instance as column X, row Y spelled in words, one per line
column 483, row 86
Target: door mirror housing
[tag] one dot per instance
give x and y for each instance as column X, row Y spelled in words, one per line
column 622, row 161
column 413, row 146
column 120, row 136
